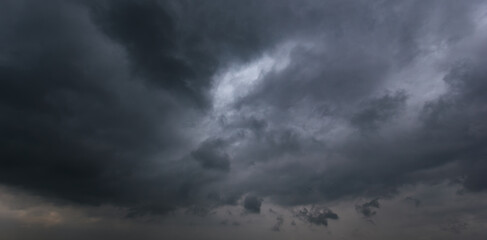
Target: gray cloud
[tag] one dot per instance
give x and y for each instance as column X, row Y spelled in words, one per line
column 278, row 225
column 413, row 200
column 252, row 204
column 316, row 215
column 154, row 106
column 377, row 111
column 367, row 209
column 210, row 155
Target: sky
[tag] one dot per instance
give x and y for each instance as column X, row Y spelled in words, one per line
column 233, row 119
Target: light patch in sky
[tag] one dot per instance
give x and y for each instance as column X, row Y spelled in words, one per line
column 238, row 81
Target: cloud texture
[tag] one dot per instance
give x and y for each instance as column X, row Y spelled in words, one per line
column 154, row 106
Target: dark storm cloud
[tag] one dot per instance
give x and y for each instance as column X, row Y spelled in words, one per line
column 111, row 102
column 357, row 46
column 316, row 215
column 92, row 92
column 78, row 121
column 64, row 123
column 343, row 82
column 252, row 204
column 149, row 35
column 211, row 156
column 368, row 209
column 457, row 117
column 377, row 111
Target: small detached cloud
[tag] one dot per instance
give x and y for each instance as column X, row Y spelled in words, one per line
column 367, row 209
column 316, row 215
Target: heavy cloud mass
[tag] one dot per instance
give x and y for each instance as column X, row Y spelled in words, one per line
column 222, row 108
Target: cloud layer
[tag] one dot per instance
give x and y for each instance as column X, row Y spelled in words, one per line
column 155, row 106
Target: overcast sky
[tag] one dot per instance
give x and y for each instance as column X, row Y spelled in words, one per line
column 243, row 119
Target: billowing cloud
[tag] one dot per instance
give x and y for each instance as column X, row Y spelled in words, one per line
column 157, row 106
